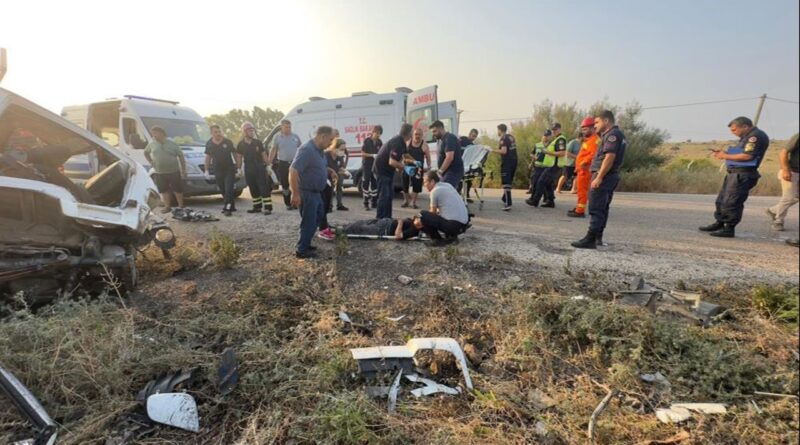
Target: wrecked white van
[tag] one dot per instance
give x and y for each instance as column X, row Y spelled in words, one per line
column 55, row 232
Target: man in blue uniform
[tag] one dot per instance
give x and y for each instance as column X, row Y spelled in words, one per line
column 308, row 177
column 507, row 149
column 605, row 177
column 742, row 162
column 390, row 158
column 451, row 165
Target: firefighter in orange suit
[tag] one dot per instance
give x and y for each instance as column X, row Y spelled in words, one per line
column 582, row 163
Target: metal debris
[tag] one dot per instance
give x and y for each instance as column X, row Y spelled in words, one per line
column 349, row 326
column 684, row 305
column 431, row 387
column 28, row 405
column 393, row 391
column 386, row 358
column 190, row 215
column 174, row 409
column 227, row 372
column 165, row 383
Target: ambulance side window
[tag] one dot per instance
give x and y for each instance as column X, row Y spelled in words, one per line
column 133, row 136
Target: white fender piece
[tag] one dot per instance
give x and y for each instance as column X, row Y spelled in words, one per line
column 176, row 409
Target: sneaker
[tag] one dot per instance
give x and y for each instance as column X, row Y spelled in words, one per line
column 531, row 202
column 771, row 214
column 327, row 234
column 305, row 255
column 777, row 226
column 342, row 208
column 549, row 205
column 507, row 208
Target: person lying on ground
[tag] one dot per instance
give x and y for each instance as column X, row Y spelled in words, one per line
column 400, row 229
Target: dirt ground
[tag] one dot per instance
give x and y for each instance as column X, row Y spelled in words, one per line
column 541, row 360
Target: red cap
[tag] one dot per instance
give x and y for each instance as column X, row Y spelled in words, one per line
column 587, row 122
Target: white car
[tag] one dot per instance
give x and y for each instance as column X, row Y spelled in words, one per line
column 56, row 233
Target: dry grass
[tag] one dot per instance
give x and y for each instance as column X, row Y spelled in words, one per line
column 538, row 357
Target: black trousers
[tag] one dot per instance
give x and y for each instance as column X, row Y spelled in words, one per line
column 730, row 200
column 225, row 181
column 369, row 186
column 282, row 172
column 260, row 185
column 327, row 201
column 535, row 175
column 507, row 171
column 546, row 185
column 435, row 226
column 600, row 202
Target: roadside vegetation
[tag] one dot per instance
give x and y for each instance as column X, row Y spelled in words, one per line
column 541, row 360
column 652, row 165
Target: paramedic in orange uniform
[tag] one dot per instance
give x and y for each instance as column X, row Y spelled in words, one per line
column 582, row 163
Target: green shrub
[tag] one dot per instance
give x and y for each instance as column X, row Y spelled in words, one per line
column 672, row 179
column 780, row 303
column 688, row 164
column 224, row 250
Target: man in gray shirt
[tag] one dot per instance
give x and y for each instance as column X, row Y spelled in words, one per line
column 448, row 214
column 284, row 147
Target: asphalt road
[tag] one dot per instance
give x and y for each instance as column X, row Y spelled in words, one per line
column 654, row 235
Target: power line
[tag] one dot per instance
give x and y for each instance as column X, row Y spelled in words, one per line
column 783, row 100
column 692, row 104
column 498, row 119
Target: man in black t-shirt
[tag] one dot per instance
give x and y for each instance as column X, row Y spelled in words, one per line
column 451, row 165
column 369, row 185
column 389, row 159
column 251, row 150
column 219, row 157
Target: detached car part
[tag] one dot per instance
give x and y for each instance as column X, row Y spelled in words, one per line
column 391, row 358
column 174, row 409
column 30, row 407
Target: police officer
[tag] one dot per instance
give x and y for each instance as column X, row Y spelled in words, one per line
column 742, row 162
column 546, row 184
column 536, row 165
column 605, row 177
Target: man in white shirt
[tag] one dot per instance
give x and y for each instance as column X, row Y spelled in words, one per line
column 448, row 215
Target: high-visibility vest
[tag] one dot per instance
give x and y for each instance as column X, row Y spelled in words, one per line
column 550, row 160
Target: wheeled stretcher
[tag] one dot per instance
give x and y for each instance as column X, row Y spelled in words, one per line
column 474, row 158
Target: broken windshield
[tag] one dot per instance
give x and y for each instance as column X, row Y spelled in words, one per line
column 182, row 132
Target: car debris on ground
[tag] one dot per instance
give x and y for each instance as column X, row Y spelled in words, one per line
column 685, row 306
column 227, row 372
column 174, row 409
column 29, row 406
column 680, row 412
column 187, row 214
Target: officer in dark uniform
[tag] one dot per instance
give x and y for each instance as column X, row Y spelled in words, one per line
column 742, row 162
column 605, row 177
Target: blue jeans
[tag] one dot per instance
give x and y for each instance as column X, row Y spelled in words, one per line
column 600, row 201
column 385, row 196
column 311, row 213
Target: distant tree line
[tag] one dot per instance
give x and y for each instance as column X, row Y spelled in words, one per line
column 264, row 119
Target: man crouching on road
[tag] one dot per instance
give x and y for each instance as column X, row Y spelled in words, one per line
column 448, row 214
column 308, row 176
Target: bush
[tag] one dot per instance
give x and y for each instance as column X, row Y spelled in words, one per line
column 224, row 250
column 780, row 303
column 672, row 179
column 688, row 164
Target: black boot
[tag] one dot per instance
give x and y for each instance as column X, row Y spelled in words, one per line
column 598, row 239
column 549, row 205
column 531, row 202
column 711, row 227
column 727, row 231
column 587, row 242
column 573, row 214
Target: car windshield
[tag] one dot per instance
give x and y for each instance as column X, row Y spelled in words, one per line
column 181, row 132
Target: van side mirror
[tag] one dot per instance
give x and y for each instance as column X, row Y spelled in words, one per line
column 137, row 142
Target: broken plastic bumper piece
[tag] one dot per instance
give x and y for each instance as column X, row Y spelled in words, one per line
column 30, row 407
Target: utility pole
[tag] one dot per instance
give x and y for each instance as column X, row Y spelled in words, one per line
column 758, row 110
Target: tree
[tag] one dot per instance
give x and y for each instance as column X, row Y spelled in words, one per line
column 264, row 119
column 643, row 141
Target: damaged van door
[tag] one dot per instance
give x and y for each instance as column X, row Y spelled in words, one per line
column 56, row 233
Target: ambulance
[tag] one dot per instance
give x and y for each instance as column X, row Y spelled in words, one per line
column 355, row 116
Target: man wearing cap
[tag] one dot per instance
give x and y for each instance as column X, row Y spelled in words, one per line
column 284, row 147
column 537, row 159
column 582, row 164
column 255, row 156
column 605, row 177
column 742, row 162
column 451, row 165
column 169, row 167
column 545, row 186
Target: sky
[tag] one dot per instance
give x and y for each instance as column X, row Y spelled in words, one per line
column 496, row 58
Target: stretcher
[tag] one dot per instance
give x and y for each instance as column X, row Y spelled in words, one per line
column 474, row 158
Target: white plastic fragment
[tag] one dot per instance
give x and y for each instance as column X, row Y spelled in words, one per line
column 396, row 319
column 393, row 390
column 431, row 387
column 679, row 412
column 174, row 409
column 404, row 279
column 673, row 415
column 705, row 408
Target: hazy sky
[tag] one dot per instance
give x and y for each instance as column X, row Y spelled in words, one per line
column 496, row 58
